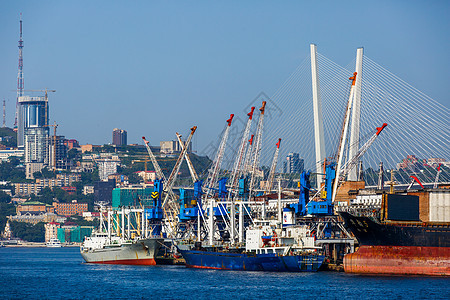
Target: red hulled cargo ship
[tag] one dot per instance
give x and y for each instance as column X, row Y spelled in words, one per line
column 400, row 248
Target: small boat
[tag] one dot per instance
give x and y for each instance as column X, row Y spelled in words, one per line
column 54, row 243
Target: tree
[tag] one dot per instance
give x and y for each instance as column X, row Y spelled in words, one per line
column 73, row 154
column 46, row 195
column 6, row 209
column 133, row 178
column 11, row 171
column 28, row 232
column 88, row 178
column 44, row 173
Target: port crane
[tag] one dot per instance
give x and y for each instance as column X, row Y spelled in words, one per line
column 343, row 137
column 176, row 170
column 272, row 168
column 188, row 159
column 414, row 179
column 170, row 204
column 437, row 177
column 349, row 165
column 211, row 181
column 247, row 161
column 237, row 170
column 343, row 169
column 168, row 213
column 257, row 148
column 240, row 159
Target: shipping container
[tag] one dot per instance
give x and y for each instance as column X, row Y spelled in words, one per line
column 401, row 207
column 439, row 205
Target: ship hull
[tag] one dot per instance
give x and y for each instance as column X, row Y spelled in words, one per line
column 398, row 249
column 399, row 260
column 142, row 252
column 252, row 262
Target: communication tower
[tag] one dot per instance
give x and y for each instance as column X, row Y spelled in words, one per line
column 20, row 84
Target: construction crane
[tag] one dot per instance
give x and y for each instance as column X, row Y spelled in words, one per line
column 214, row 171
column 272, row 168
column 188, row 159
column 145, row 161
column 257, row 149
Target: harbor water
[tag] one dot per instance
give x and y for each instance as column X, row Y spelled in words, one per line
column 60, row 273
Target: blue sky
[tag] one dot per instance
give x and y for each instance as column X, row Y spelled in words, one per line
column 157, row 67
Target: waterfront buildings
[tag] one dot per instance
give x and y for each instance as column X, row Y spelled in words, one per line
column 51, row 230
column 70, row 209
column 34, row 207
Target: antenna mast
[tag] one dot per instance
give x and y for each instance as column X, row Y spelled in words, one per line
column 4, row 113
column 19, row 75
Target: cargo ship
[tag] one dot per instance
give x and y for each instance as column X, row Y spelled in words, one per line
column 267, row 249
column 104, row 249
column 124, row 239
column 397, row 246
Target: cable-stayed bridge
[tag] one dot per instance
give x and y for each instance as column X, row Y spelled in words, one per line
column 415, row 141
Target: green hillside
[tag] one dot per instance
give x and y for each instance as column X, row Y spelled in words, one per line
column 8, row 136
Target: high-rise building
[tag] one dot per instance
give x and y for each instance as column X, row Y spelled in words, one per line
column 103, row 190
column 107, row 166
column 119, row 137
column 33, row 113
column 293, row 163
column 58, row 152
column 33, row 132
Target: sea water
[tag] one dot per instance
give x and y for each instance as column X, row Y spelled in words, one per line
column 60, row 273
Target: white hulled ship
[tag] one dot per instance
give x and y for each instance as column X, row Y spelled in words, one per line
column 120, row 243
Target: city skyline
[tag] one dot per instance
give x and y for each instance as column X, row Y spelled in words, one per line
column 155, row 69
